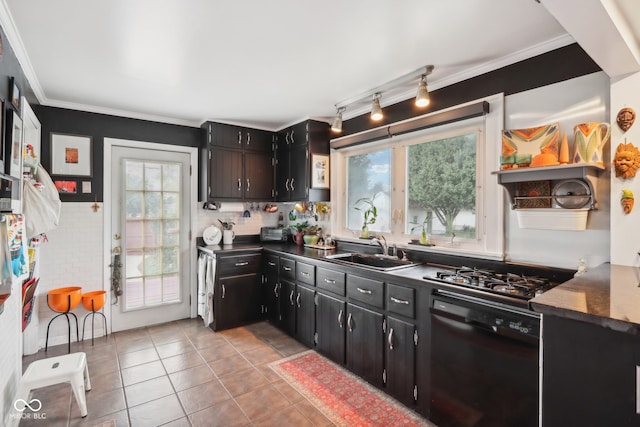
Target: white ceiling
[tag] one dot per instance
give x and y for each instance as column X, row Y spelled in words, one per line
column 265, row 63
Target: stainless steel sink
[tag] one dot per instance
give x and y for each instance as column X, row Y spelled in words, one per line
column 376, row 262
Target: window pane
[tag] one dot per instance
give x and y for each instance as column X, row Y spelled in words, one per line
column 133, row 175
column 442, row 187
column 171, row 232
column 152, row 205
column 152, row 290
column 368, row 176
column 171, row 177
column 152, row 177
column 152, row 233
column 170, row 205
column 133, row 200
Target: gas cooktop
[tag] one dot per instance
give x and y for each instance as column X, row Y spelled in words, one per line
column 516, row 286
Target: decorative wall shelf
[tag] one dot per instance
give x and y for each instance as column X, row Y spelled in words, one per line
column 588, row 173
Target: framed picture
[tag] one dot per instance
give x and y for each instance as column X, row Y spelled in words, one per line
column 14, row 93
column 66, row 187
column 319, row 171
column 14, row 150
column 70, row 155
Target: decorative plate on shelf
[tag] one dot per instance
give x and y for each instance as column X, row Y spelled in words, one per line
column 212, row 235
column 534, row 189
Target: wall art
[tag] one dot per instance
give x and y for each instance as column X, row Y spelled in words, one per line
column 71, row 155
column 319, row 171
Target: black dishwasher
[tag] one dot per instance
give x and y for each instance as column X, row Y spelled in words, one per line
column 484, row 363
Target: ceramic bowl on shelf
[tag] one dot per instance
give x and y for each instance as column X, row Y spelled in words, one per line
column 310, row 239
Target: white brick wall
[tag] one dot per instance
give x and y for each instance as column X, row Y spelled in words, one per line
column 73, row 256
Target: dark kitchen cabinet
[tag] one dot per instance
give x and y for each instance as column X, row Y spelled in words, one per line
column 271, row 286
column 295, row 148
column 364, row 347
column 400, row 353
column 287, row 307
column 238, row 292
column 330, row 327
column 590, row 375
column 240, row 163
column 305, row 315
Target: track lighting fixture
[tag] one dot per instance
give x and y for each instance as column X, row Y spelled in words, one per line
column 337, row 121
column 376, row 110
column 422, row 97
column 398, row 89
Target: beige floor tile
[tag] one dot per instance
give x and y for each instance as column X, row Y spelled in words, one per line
column 146, row 391
column 156, row 412
column 260, row 401
column 202, row 396
column 191, row 377
column 144, row 372
column 224, row 414
column 182, row 361
column 244, row 381
column 138, row 357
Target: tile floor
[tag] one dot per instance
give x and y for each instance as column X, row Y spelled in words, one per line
column 181, row 374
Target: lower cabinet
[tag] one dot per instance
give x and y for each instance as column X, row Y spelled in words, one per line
column 400, row 345
column 305, row 315
column 330, row 327
column 365, row 353
column 590, row 375
column 237, row 292
column 287, row 320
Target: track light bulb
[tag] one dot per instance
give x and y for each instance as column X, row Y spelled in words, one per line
column 337, row 121
column 422, row 97
column 376, row 110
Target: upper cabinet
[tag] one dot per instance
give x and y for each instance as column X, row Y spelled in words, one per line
column 239, row 163
column 295, row 148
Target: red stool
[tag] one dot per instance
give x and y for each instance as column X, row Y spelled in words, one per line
column 63, row 300
column 94, row 301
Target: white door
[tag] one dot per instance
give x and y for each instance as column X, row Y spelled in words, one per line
column 150, row 231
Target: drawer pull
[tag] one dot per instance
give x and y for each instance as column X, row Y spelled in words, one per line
column 272, row 264
column 399, row 301
column 364, row 291
column 330, row 281
column 240, row 264
column 304, row 273
column 286, row 268
column 224, row 291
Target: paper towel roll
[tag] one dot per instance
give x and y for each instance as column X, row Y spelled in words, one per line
column 231, row 207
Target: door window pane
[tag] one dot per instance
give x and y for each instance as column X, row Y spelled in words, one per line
column 152, row 251
column 369, row 176
column 442, row 187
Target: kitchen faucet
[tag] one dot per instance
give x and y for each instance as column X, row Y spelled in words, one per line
column 382, row 243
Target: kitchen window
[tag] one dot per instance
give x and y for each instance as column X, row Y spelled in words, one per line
column 438, row 178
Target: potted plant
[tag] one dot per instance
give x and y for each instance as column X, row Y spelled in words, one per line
column 298, row 231
column 311, row 235
column 424, row 235
column 369, row 212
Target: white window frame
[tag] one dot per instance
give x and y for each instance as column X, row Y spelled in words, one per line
column 489, row 194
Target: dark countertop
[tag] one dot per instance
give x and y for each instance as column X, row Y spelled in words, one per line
column 608, row 296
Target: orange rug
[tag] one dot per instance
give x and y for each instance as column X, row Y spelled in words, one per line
column 342, row 397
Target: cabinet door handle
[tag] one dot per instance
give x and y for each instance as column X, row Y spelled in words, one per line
column 364, row 291
column 298, row 300
column 292, row 187
column 399, row 301
column 240, row 137
column 240, row 264
column 248, row 138
column 248, row 185
column 275, row 291
column 291, row 298
column 286, row 268
column 239, row 185
column 330, row 281
column 287, row 139
column 224, row 291
column 349, row 320
column 292, row 139
column 271, row 263
column 390, row 339
column 305, row 273
column 340, row 319
column 286, row 184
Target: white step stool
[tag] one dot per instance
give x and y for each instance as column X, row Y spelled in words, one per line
column 70, row 368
